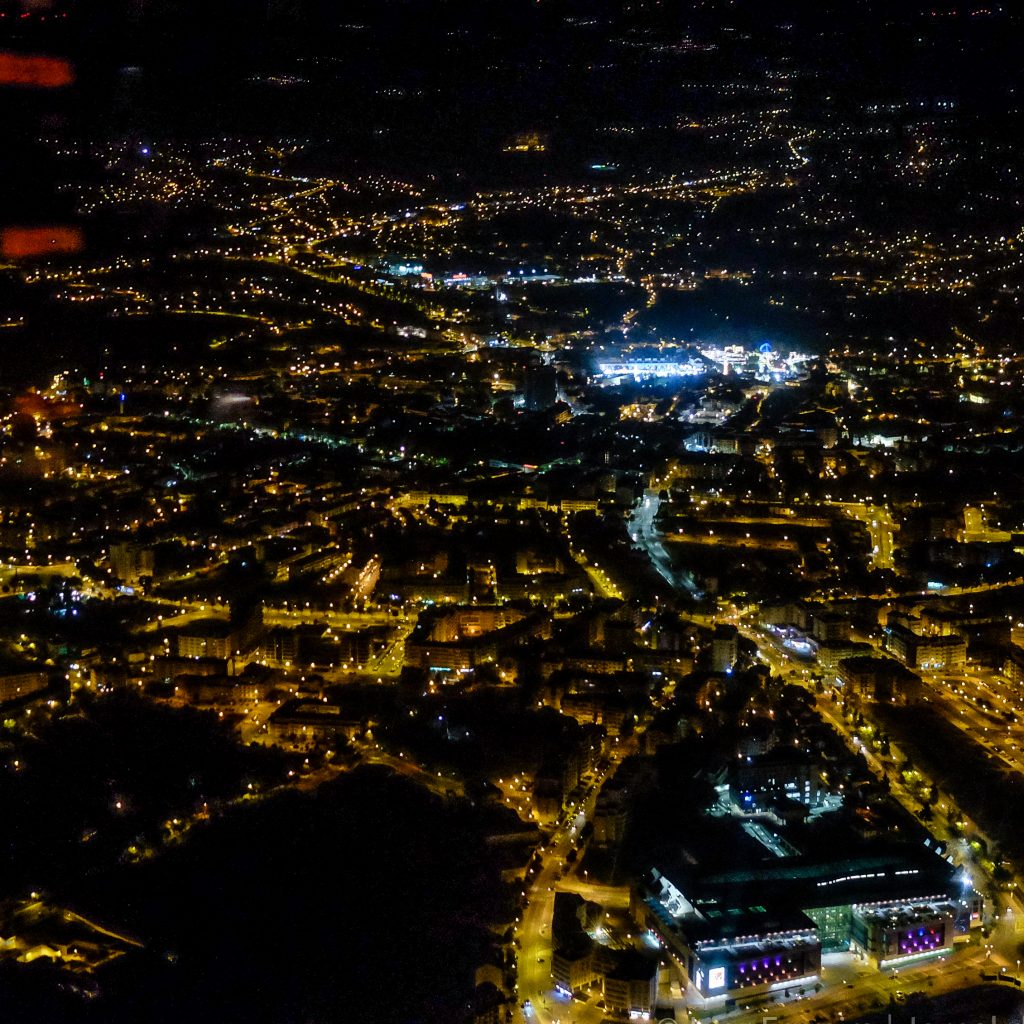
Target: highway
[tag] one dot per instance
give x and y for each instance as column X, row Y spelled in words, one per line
column 977, row 701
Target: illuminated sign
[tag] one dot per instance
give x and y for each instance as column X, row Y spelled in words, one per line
column 921, row 940
column 716, row 978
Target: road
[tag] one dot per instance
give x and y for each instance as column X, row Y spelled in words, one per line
column 436, row 782
column 602, row 583
column 391, row 658
column 643, row 530
column 933, row 595
column 887, row 767
column 853, row 990
column 974, row 702
column 534, row 937
column 867, row 989
column 543, row 1005
column 881, row 529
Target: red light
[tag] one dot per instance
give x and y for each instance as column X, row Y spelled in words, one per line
column 35, row 71
column 19, row 242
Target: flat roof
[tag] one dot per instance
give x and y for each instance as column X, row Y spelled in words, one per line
column 798, row 883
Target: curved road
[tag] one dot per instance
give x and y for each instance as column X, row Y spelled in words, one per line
column 644, row 532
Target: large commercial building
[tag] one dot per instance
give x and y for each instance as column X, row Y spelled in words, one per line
column 751, row 932
column 648, row 362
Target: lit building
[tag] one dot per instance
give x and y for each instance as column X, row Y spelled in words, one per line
column 207, row 638
column 747, row 932
column 831, row 628
column 947, row 652
column 647, row 363
column 611, row 815
column 878, row 679
column 888, row 933
column 304, row 724
column 17, row 684
column 131, row 563
column 460, row 639
column 631, row 984
column 628, row 979
column 1013, row 666
column 724, row 648
column 762, row 783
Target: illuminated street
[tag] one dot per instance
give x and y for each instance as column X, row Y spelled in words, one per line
column 522, row 498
